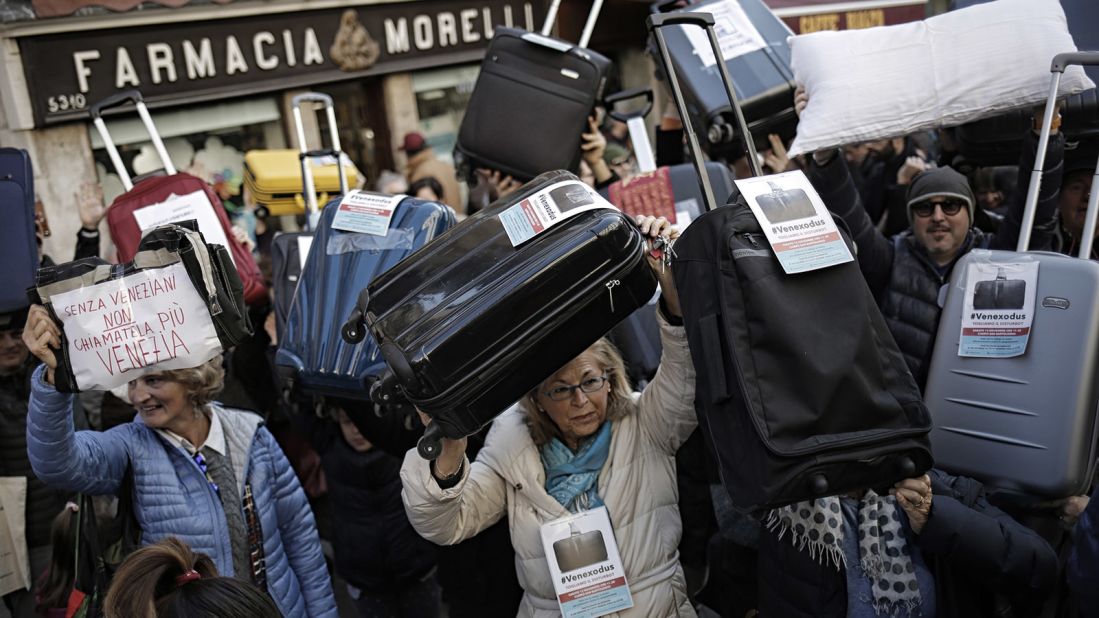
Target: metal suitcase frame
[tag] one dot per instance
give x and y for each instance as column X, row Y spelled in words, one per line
column 1026, row 425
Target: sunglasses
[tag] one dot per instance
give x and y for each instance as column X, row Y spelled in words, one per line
column 927, row 208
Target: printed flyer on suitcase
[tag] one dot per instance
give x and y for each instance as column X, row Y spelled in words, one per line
column 548, row 207
column 998, row 308
column 587, row 571
column 795, row 221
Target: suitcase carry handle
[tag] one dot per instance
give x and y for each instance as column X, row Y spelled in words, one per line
column 1057, row 67
column 656, row 23
column 635, row 121
column 115, row 100
column 309, row 185
column 589, row 26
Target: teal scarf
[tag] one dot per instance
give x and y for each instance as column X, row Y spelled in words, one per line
column 571, row 477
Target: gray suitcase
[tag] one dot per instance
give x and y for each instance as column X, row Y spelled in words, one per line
column 1025, row 425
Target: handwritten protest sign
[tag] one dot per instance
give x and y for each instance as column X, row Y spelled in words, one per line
column 149, row 321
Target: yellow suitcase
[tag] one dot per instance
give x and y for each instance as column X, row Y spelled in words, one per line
column 273, row 177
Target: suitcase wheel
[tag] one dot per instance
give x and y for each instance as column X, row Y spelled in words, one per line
column 354, row 331
column 430, row 444
column 383, row 391
column 818, row 484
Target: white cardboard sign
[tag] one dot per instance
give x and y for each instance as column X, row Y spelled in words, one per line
column 735, row 33
column 366, row 213
column 550, row 206
column 15, row 570
column 122, row 329
column 998, row 308
column 585, row 566
column 184, row 208
column 795, row 221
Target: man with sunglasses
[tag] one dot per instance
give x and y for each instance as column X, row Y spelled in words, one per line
column 906, row 271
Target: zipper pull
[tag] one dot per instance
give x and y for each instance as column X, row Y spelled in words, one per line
column 610, row 291
column 751, row 239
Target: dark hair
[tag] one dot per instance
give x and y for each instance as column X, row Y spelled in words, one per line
column 56, row 584
column 428, row 182
column 152, row 582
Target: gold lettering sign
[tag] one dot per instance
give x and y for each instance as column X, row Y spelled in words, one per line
column 865, row 19
column 816, row 23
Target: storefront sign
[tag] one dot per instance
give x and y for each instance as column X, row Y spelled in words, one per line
column 184, row 62
column 805, row 16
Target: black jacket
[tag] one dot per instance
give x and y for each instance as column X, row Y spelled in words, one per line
column 974, row 551
column 902, row 276
column 376, row 548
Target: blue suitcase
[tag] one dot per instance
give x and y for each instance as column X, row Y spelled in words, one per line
column 312, row 358
column 18, row 246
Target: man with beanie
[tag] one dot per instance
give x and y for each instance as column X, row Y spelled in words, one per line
column 905, row 272
column 422, row 163
column 1073, row 205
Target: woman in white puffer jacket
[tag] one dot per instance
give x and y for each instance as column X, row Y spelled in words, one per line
column 580, row 439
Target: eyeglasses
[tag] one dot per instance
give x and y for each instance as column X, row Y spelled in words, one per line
column 589, row 385
column 927, row 208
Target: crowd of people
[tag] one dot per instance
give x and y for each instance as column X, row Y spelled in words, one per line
column 213, row 495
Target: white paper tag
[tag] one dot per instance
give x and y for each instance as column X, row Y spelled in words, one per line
column 585, row 566
column 304, row 242
column 548, row 207
column 366, row 213
column 795, row 221
column 183, row 208
column 998, row 308
column 736, row 35
column 121, row 329
column 15, row 570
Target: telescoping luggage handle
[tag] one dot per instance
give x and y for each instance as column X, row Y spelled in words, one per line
column 309, row 186
column 589, row 26
column 1060, row 63
column 116, row 100
column 656, row 23
column 635, row 121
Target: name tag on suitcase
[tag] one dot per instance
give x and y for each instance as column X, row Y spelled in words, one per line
column 548, row 207
column 998, row 308
column 587, row 571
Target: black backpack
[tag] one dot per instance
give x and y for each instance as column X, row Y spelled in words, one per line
column 800, row 385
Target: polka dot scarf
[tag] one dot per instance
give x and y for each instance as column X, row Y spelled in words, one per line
column 883, row 548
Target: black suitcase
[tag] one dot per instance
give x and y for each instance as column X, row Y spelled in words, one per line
column 19, row 249
column 1003, row 293
column 763, row 79
column 469, row 324
column 800, row 387
column 531, row 103
column 286, row 266
column 997, row 140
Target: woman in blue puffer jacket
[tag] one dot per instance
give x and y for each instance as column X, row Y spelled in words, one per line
column 211, row 476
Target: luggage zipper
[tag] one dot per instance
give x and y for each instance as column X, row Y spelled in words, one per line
column 610, row 285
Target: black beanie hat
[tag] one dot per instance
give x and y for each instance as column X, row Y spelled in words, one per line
column 940, row 182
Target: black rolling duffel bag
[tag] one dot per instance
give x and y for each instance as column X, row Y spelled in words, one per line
column 800, row 387
column 471, row 322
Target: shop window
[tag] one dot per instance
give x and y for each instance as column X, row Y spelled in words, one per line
column 208, row 142
column 441, row 99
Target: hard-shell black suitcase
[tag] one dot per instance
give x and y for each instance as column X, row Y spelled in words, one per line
column 19, row 249
column 800, row 387
column 763, row 80
column 471, row 323
column 531, row 103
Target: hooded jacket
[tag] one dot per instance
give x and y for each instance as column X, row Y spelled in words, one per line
column 173, row 498
column 637, row 484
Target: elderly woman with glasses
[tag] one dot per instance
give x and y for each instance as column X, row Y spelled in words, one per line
column 580, row 440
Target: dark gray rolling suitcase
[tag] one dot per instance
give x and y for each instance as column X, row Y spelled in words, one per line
column 531, row 102
column 1026, row 424
column 286, row 266
column 19, row 249
column 763, row 80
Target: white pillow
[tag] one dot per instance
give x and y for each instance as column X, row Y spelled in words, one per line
column 944, row 71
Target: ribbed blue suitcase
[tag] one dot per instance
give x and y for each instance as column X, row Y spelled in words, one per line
column 312, row 358
column 18, row 248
